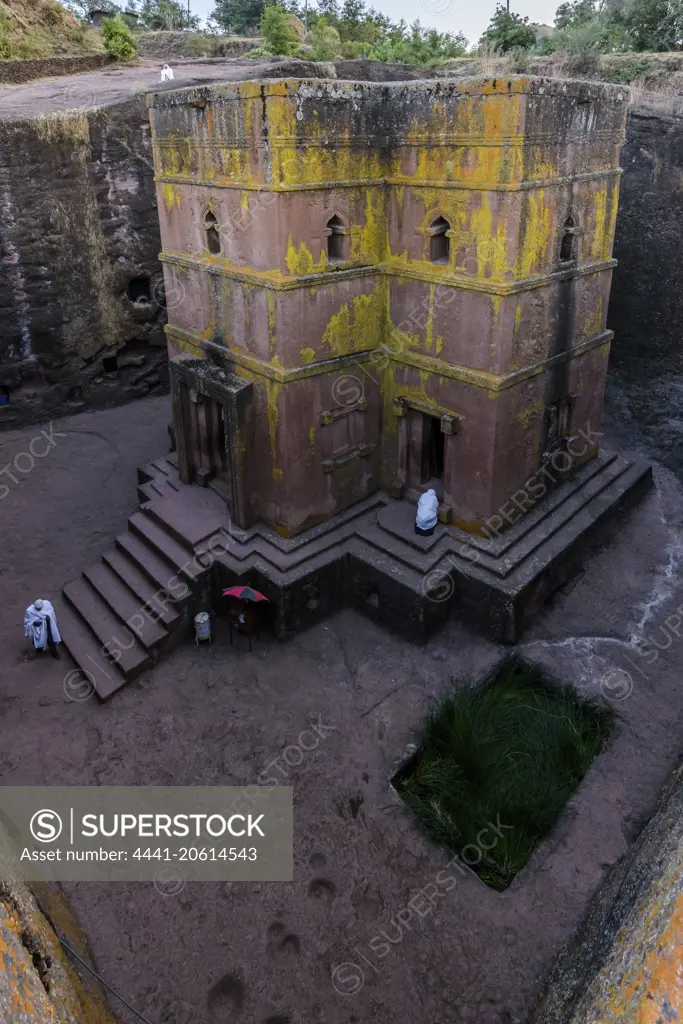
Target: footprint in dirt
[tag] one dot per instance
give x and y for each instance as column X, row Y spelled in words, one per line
column 225, row 1000
column 321, row 888
column 282, row 946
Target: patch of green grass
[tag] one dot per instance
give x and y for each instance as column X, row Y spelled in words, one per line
column 625, row 72
column 510, row 755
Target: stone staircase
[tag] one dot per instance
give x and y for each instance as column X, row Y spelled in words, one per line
column 117, row 618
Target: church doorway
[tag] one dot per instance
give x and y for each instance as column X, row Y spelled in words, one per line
column 433, row 447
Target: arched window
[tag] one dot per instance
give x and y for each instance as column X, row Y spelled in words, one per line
column 213, row 239
column 337, row 240
column 439, row 242
column 568, row 247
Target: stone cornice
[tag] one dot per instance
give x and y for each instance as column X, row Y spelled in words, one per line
column 381, row 356
column 402, row 182
column 276, row 281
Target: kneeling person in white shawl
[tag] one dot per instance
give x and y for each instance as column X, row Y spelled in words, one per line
column 427, row 513
column 40, row 625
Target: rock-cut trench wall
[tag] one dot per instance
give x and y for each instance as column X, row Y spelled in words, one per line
column 40, row 981
column 82, row 306
column 645, row 382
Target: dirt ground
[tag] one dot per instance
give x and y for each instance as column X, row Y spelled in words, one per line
column 103, row 88
column 339, row 943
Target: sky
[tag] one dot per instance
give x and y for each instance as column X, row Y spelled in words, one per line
column 445, row 15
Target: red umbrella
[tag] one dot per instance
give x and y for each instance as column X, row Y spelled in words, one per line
column 245, row 594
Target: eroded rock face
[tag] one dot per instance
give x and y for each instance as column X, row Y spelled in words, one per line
column 82, row 304
column 38, row 982
column 646, row 304
column 623, row 962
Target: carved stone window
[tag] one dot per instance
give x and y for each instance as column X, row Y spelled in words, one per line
column 337, row 240
column 439, row 241
column 568, row 246
column 213, row 238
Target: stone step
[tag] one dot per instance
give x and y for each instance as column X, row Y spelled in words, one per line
column 147, row 492
column 164, row 545
column 260, row 548
column 154, row 489
column 190, row 519
column 253, row 561
column 161, row 472
column 549, row 506
column 123, row 603
column 635, row 478
column 222, row 489
column 560, row 517
column 162, row 575
column 142, row 587
column 163, row 466
column 86, row 652
column 364, row 551
column 389, row 544
column 107, row 627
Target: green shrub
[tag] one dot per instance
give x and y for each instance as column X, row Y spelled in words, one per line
column 6, row 49
column 259, row 51
column 354, row 50
column 278, row 34
column 520, row 60
column 119, row 41
column 198, row 43
column 625, row 72
column 327, row 44
column 52, row 16
column 508, row 31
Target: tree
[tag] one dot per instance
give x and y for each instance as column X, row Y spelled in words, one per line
column 326, row 41
column 119, row 41
column 82, row 8
column 652, row 24
column 508, row 31
column 352, row 18
column 276, row 30
column 329, row 9
column 168, row 15
column 239, row 16
column 576, row 12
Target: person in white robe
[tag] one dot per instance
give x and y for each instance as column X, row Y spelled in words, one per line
column 427, row 513
column 166, row 73
column 40, row 625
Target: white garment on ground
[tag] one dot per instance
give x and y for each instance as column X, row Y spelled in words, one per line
column 166, row 73
column 39, row 633
column 427, row 510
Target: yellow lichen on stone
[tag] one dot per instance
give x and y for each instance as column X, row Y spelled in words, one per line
column 358, row 326
column 170, row 195
column 536, row 235
column 300, row 260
